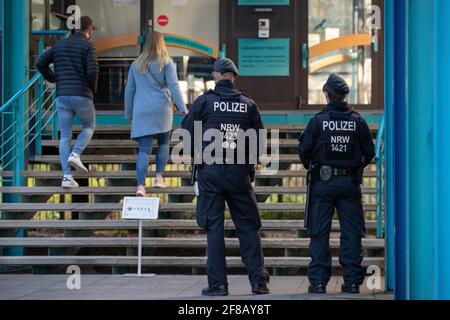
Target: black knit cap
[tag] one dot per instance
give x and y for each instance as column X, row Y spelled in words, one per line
column 337, row 85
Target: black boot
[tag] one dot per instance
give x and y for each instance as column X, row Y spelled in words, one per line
column 221, row 291
column 351, row 288
column 260, row 289
column 318, row 289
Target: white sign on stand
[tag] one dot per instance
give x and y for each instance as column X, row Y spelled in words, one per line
column 140, row 209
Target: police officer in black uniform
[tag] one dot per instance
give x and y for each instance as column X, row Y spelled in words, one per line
column 336, row 146
column 232, row 113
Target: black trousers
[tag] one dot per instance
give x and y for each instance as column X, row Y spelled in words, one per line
column 344, row 195
column 231, row 184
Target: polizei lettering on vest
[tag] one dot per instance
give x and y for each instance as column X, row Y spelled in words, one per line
column 339, row 126
column 231, row 107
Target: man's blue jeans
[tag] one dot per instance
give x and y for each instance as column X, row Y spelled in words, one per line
column 68, row 107
column 145, row 150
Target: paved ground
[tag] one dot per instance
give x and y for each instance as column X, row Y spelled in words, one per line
column 34, row 287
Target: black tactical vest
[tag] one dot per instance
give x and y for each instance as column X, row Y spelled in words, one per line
column 231, row 115
column 339, row 142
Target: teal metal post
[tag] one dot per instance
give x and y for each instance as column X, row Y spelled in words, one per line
column 441, row 148
column 15, row 50
column 15, row 67
column 389, row 143
column 421, row 123
column 421, row 102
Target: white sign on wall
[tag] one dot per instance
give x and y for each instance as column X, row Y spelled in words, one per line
column 135, row 208
column 125, row 2
column 179, row 2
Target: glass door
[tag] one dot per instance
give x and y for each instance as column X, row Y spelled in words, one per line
column 340, row 41
column 118, row 28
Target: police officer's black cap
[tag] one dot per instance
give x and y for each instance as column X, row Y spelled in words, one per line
column 224, row 65
column 337, row 85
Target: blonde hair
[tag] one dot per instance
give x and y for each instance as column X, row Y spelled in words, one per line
column 154, row 50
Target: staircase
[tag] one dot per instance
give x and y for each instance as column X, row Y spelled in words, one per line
column 83, row 227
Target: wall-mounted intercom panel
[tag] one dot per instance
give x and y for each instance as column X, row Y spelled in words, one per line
column 264, row 28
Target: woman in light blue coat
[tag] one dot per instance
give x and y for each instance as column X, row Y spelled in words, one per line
column 151, row 87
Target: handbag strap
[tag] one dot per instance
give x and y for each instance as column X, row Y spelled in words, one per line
column 161, row 87
column 155, row 79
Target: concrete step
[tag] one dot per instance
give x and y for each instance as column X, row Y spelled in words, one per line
column 268, row 243
column 96, row 159
column 128, row 191
column 127, row 129
column 149, row 225
column 169, row 174
column 165, row 207
column 119, row 159
column 100, row 143
column 290, row 128
column 232, row 262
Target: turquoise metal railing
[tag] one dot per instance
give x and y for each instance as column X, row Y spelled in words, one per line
column 380, row 161
column 21, row 133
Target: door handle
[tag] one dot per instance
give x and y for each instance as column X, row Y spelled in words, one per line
column 305, row 56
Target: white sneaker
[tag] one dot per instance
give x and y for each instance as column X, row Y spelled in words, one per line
column 69, row 183
column 75, row 162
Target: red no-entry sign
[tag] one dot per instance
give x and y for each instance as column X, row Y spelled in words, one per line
column 163, row 20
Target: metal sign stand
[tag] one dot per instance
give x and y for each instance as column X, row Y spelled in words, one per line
column 139, row 267
column 140, row 245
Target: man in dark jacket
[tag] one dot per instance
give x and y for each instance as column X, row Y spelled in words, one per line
column 76, row 76
column 336, row 146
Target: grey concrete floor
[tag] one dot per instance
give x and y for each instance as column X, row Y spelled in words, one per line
column 97, row 287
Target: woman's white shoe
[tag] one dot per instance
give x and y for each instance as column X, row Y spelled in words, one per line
column 141, row 193
column 159, row 182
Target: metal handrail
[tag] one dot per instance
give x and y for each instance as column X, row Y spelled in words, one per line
column 50, row 32
column 380, row 138
column 20, row 93
column 379, row 159
column 19, row 130
column 22, row 131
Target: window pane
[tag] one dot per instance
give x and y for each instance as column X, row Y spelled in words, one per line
column 113, row 18
column 55, row 23
column 37, row 14
column 193, row 19
column 338, row 20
